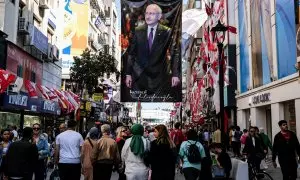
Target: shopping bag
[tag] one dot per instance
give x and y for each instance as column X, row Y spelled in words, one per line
column 218, row 171
column 150, row 173
column 55, row 174
column 263, row 164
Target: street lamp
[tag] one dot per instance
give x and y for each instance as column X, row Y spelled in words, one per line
column 220, row 29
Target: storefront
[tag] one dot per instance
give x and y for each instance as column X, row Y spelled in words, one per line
column 23, row 111
column 265, row 106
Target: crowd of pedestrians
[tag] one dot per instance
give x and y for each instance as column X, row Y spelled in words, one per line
column 140, row 153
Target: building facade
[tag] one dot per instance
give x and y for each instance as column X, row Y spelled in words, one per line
column 31, row 53
column 201, row 104
column 268, row 82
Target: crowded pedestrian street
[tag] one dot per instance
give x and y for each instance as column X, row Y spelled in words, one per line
column 149, row 89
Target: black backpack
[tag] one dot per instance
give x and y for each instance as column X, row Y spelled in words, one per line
column 193, row 153
column 237, row 135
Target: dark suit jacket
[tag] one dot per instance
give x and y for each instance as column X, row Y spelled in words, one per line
column 21, row 159
column 149, row 68
column 251, row 150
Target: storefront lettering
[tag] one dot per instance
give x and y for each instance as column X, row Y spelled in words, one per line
column 18, row 100
column 262, row 98
column 49, row 106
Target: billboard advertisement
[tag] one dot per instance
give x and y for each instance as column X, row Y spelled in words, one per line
column 24, row 65
column 262, row 60
column 244, row 44
column 151, row 56
column 286, row 37
column 75, row 34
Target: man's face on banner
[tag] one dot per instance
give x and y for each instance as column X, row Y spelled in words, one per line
column 152, row 15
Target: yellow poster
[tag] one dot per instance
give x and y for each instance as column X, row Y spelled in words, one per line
column 76, row 24
column 97, row 97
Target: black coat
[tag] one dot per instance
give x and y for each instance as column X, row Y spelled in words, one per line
column 225, row 162
column 21, row 159
column 162, row 160
column 206, row 164
column 285, row 150
column 254, row 151
column 149, row 68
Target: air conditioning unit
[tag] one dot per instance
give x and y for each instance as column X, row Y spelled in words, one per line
column 50, row 53
column 94, row 13
column 44, row 4
column 91, row 38
column 23, row 26
column 55, row 52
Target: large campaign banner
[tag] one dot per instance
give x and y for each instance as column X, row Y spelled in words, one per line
column 151, row 56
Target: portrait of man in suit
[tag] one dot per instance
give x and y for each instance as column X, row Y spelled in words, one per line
column 152, row 67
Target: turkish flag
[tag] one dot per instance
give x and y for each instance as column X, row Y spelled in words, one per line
column 30, row 86
column 43, row 91
column 6, row 79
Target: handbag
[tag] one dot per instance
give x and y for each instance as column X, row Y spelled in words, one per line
column 217, row 171
column 55, row 174
column 146, row 155
column 121, row 168
column 260, row 155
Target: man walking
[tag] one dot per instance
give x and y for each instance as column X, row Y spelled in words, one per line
column 21, row 158
column 177, row 136
column 285, row 145
column 67, row 153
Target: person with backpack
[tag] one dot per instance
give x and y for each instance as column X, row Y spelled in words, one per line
column 236, row 141
column 177, row 135
column 191, row 153
column 86, row 152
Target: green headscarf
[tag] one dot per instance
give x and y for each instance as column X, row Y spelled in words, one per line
column 137, row 144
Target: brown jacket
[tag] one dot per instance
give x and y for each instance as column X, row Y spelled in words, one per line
column 86, row 151
column 106, row 151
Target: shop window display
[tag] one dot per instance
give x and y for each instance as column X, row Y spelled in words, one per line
column 30, row 120
column 9, row 119
column 289, row 115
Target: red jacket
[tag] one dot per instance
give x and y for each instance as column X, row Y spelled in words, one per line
column 177, row 136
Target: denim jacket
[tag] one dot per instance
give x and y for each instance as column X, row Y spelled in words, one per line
column 43, row 147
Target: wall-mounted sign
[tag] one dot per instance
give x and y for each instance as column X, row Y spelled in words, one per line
column 18, row 100
column 39, row 40
column 261, row 98
column 49, row 105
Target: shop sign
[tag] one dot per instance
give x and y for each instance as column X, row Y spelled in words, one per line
column 49, row 106
column 39, row 40
column 19, row 100
column 97, row 97
column 88, row 106
column 261, row 98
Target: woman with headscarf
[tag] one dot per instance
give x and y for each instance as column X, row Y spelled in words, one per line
column 133, row 153
column 163, row 155
column 87, row 147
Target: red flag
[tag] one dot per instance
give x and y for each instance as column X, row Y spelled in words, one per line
column 232, row 29
column 42, row 90
column 209, row 11
column 5, row 79
column 31, row 89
